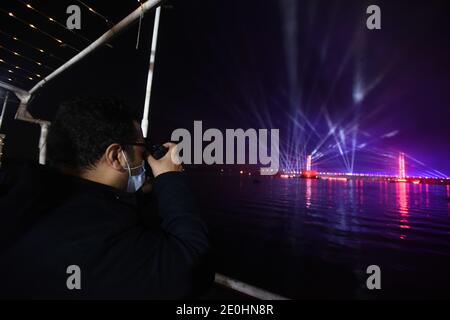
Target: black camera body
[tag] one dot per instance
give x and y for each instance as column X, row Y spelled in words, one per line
column 158, row 151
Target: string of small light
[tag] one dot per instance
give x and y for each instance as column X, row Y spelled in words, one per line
column 16, row 69
column 108, row 22
column 12, row 71
column 17, row 54
column 43, row 14
column 11, row 79
column 34, row 27
column 20, row 68
column 46, row 52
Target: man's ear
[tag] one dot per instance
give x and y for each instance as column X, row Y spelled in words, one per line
column 114, row 156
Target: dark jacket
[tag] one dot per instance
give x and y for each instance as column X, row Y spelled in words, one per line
column 49, row 221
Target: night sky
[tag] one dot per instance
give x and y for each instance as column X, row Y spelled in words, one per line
column 301, row 66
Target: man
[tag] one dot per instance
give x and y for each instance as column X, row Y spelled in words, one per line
column 84, row 230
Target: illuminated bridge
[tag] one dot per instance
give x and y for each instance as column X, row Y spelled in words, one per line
column 402, row 177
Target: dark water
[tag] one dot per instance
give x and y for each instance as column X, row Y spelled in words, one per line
column 315, row 238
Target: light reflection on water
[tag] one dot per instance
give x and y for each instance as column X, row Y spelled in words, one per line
column 402, row 227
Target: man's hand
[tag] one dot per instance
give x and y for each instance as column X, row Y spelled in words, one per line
column 167, row 163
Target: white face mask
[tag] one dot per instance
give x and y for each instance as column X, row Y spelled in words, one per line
column 137, row 181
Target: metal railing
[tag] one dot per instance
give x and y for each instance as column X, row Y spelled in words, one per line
column 246, row 289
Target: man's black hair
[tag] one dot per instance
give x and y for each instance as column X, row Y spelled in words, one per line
column 84, row 128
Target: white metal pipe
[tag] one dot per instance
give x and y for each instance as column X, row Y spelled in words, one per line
column 43, row 143
column 148, row 91
column 5, row 102
column 23, row 114
column 20, row 93
column 107, row 36
column 246, row 288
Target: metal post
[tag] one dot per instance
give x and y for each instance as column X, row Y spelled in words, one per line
column 5, row 102
column 43, row 143
column 148, row 91
column 23, row 114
